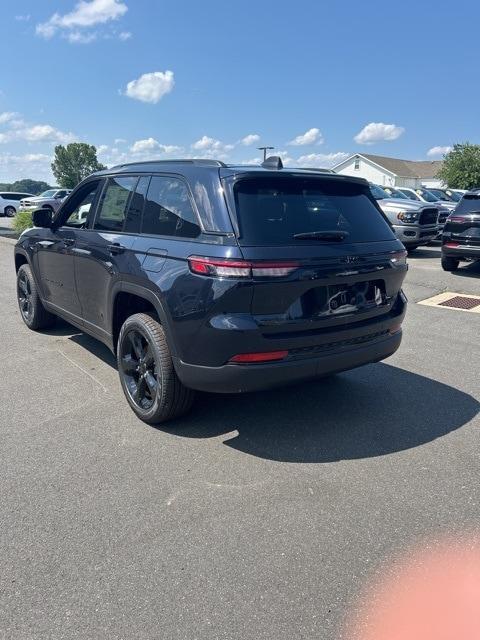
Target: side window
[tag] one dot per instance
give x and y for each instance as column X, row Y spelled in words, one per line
column 78, row 215
column 137, row 202
column 114, row 204
column 168, row 209
column 357, row 163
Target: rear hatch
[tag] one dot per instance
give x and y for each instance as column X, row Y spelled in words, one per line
column 343, row 263
column 463, row 225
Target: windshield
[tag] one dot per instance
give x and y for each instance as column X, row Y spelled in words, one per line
column 395, row 193
column 272, row 210
column 410, row 194
column 453, row 195
column 427, row 195
column 48, row 194
column 441, row 195
column 378, row 193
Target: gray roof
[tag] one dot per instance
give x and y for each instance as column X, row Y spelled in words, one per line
column 407, row 168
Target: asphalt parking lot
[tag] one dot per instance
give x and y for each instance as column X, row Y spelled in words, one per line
column 258, row 517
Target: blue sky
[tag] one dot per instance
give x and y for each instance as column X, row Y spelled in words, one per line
column 209, row 78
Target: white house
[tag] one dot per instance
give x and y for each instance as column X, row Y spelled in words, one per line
column 391, row 172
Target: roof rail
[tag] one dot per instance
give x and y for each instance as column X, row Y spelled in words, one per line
column 196, row 161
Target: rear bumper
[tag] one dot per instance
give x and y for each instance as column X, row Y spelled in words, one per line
column 235, row 378
column 417, row 235
column 465, row 250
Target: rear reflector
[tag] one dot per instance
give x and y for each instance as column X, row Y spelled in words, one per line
column 395, row 329
column 225, row 268
column 268, row 356
column 452, row 245
column 457, row 219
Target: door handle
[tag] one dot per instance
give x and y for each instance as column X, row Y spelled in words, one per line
column 68, row 242
column 116, row 248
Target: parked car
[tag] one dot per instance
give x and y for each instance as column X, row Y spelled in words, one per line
column 461, row 236
column 392, row 192
column 10, row 202
column 200, row 275
column 414, row 223
column 50, row 199
column 425, row 195
column 444, row 196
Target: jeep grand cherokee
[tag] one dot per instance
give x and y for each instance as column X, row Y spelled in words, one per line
column 200, row 275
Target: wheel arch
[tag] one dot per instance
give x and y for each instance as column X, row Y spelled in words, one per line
column 128, row 298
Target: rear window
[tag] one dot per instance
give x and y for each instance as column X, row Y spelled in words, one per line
column 270, row 211
column 470, row 203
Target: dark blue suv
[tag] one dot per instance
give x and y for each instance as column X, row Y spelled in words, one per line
column 204, row 276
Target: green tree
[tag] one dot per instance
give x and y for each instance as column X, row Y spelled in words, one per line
column 74, row 162
column 461, row 166
column 28, row 185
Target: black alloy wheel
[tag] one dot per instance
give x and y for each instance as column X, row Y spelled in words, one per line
column 24, row 293
column 138, row 369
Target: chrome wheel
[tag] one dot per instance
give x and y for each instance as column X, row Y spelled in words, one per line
column 138, row 369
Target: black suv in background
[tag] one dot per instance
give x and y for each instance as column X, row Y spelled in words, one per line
column 461, row 234
column 200, row 275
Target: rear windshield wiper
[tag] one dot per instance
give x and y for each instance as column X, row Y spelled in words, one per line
column 334, row 235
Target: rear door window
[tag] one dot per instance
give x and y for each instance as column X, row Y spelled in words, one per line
column 272, row 210
column 114, row 204
column 168, row 209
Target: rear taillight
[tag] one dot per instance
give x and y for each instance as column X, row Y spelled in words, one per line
column 452, row 245
column 267, row 356
column 225, row 268
column 458, row 219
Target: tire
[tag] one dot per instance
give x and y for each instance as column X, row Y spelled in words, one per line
column 146, row 371
column 449, row 264
column 33, row 313
column 10, row 212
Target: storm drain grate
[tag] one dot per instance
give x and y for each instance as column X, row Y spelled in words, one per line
column 454, row 301
column 460, row 302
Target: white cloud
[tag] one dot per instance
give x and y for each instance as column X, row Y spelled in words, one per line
column 252, row 161
column 311, row 136
column 44, row 133
column 212, row 148
column 324, row 160
column 85, row 14
column 150, row 144
column 8, row 116
column 252, row 138
column 436, row 152
column 119, row 141
column 31, row 165
column 151, row 87
column 124, row 35
column 78, row 37
column 378, row 132
column 24, row 18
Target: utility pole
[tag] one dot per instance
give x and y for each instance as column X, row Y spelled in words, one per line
column 264, row 149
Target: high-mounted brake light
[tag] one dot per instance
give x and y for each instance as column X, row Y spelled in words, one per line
column 225, row 268
column 268, row 356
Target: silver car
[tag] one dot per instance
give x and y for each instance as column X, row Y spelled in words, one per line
column 49, row 199
column 414, row 223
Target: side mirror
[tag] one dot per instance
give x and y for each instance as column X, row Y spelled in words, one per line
column 42, row 218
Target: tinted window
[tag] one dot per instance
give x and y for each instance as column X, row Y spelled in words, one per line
column 272, row 210
column 4, row 195
column 78, row 209
column 137, row 201
column 378, row 193
column 410, row 195
column 468, row 204
column 168, row 209
column 114, row 204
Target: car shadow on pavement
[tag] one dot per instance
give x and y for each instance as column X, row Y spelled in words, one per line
column 373, row 411
column 468, row 271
